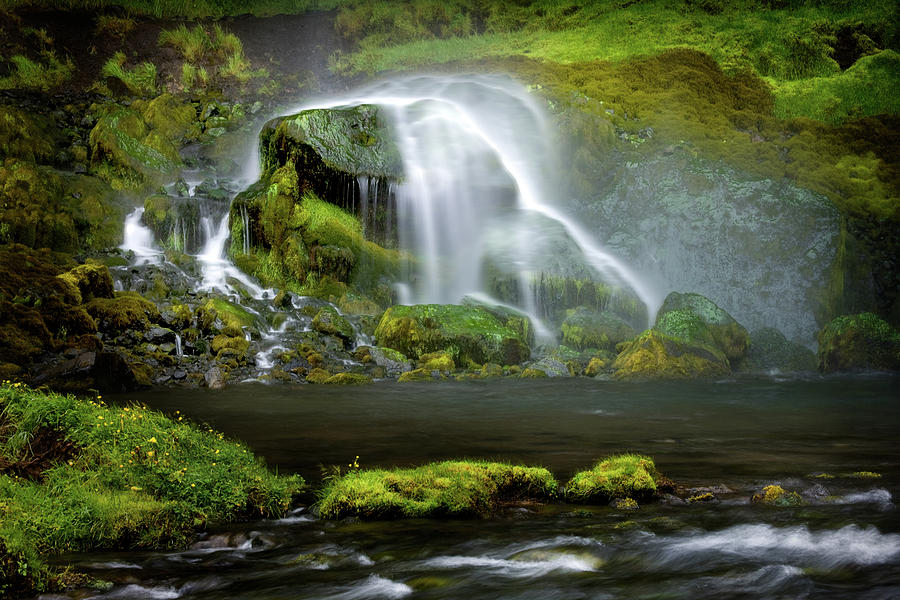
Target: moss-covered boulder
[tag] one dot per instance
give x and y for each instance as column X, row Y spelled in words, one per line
column 585, row 328
column 657, row 355
column 621, row 476
column 697, row 320
column 769, row 350
column 329, row 321
column 123, row 312
column 451, row 488
column 775, row 495
column 857, row 342
column 470, row 334
column 89, row 281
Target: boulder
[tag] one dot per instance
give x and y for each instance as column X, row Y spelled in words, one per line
column 470, row 334
column 697, row 320
column 770, row 350
column 654, row 354
column 329, row 321
column 585, row 328
column 857, row 342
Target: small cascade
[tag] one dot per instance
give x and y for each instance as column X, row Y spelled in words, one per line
column 179, row 350
column 139, row 239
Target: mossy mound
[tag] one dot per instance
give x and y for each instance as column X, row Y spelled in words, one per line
column 620, row 476
column 123, row 312
column 697, row 320
column 775, row 495
column 445, row 489
column 856, row 342
column 348, row 379
column 125, row 477
column 34, row 138
column 584, row 328
column 89, row 281
column 468, row 333
column 653, row 354
column 329, row 321
column 770, row 349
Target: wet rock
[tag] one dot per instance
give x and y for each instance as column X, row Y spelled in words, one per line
column 770, row 350
column 656, row 355
column 585, row 328
column 329, row 321
column 698, row 321
column 215, row 378
column 159, row 335
column 550, row 367
column 858, row 342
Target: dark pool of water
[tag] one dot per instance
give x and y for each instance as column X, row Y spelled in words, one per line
column 740, row 433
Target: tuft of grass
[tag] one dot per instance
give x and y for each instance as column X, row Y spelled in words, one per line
column 450, row 488
column 115, row 26
column 620, row 476
column 140, row 80
column 76, row 474
column 44, row 75
column 193, row 43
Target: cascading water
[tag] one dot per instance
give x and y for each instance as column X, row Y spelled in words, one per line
column 479, row 188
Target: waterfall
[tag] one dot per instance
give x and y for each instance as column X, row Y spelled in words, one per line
column 480, row 188
column 139, row 239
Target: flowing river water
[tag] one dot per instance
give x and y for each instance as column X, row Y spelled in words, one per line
column 733, row 436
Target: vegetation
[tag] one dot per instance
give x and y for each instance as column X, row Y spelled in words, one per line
column 140, row 80
column 622, row 476
column 856, row 342
column 189, row 9
column 76, row 474
column 655, row 354
column 451, row 488
column 44, row 74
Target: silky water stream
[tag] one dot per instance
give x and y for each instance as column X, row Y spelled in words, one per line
column 733, row 436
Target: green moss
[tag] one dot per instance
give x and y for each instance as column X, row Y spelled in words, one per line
column 584, row 328
column 620, row 476
column 348, row 379
column 415, row 375
column 654, row 354
column 596, row 366
column 469, row 334
column 45, row 74
column 451, row 488
column 88, row 281
column 32, row 137
column 222, row 345
column 699, row 321
column 318, row 375
column 234, row 317
column 329, row 322
column 117, row 478
column 861, row 341
column 437, row 361
column 140, row 80
column 533, row 373
column 124, row 311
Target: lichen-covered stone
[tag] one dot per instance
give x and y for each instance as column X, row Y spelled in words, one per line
column 126, row 310
column 621, row 476
column 89, row 281
column 348, row 379
column 856, row 342
column 469, row 334
column 329, row 321
column 697, row 320
column 776, row 495
column 656, row 355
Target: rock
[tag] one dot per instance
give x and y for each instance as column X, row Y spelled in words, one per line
column 470, row 334
column 697, row 320
column 622, row 476
column 550, row 367
column 159, row 335
column 585, row 328
column 654, row 354
column 215, row 378
column 394, row 362
column 858, row 342
column 348, row 379
column 437, row 361
column 777, row 496
column 330, row 322
column 770, row 350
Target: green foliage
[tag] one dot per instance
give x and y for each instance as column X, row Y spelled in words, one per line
column 620, row 476
column 216, row 47
column 44, row 75
column 450, row 488
column 187, row 9
column 193, row 43
column 118, row 477
column 114, row 25
column 861, row 341
column 140, row 80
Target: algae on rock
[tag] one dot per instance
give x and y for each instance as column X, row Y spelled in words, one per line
column 857, row 342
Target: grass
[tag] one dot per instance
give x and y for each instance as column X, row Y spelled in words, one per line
column 44, row 75
column 140, row 79
column 76, row 474
column 450, row 488
column 188, row 9
column 221, row 51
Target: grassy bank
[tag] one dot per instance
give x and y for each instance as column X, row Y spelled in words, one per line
column 184, row 9
column 76, row 474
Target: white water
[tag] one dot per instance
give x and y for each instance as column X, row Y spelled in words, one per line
column 139, row 239
column 478, row 164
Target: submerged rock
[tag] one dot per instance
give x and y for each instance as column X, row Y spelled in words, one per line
column 470, row 334
column 856, row 342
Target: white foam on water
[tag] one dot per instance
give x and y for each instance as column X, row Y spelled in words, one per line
column 850, row 545
column 139, row 239
column 375, row 586
column 139, row 592
column 878, row 496
column 512, row 567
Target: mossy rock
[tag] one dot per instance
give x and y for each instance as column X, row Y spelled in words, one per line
column 234, row 317
column 348, row 379
column 585, row 328
column 420, row 374
column 775, row 495
column 29, row 136
column 222, row 345
column 769, row 350
column 857, row 342
column 317, row 375
column 437, row 361
column 89, row 281
column 445, row 489
column 329, row 321
column 124, row 311
column 596, row 366
column 697, row 320
column 469, row 334
column 533, row 373
column 656, row 355
column 621, row 476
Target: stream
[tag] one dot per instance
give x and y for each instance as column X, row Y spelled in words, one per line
column 732, row 437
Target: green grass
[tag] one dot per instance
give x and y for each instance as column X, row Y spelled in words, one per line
column 190, row 9
column 621, row 476
column 140, row 79
column 76, row 474
column 450, row 488
column 44, row 75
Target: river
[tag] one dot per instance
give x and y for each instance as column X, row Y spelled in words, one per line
column 807, row 434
